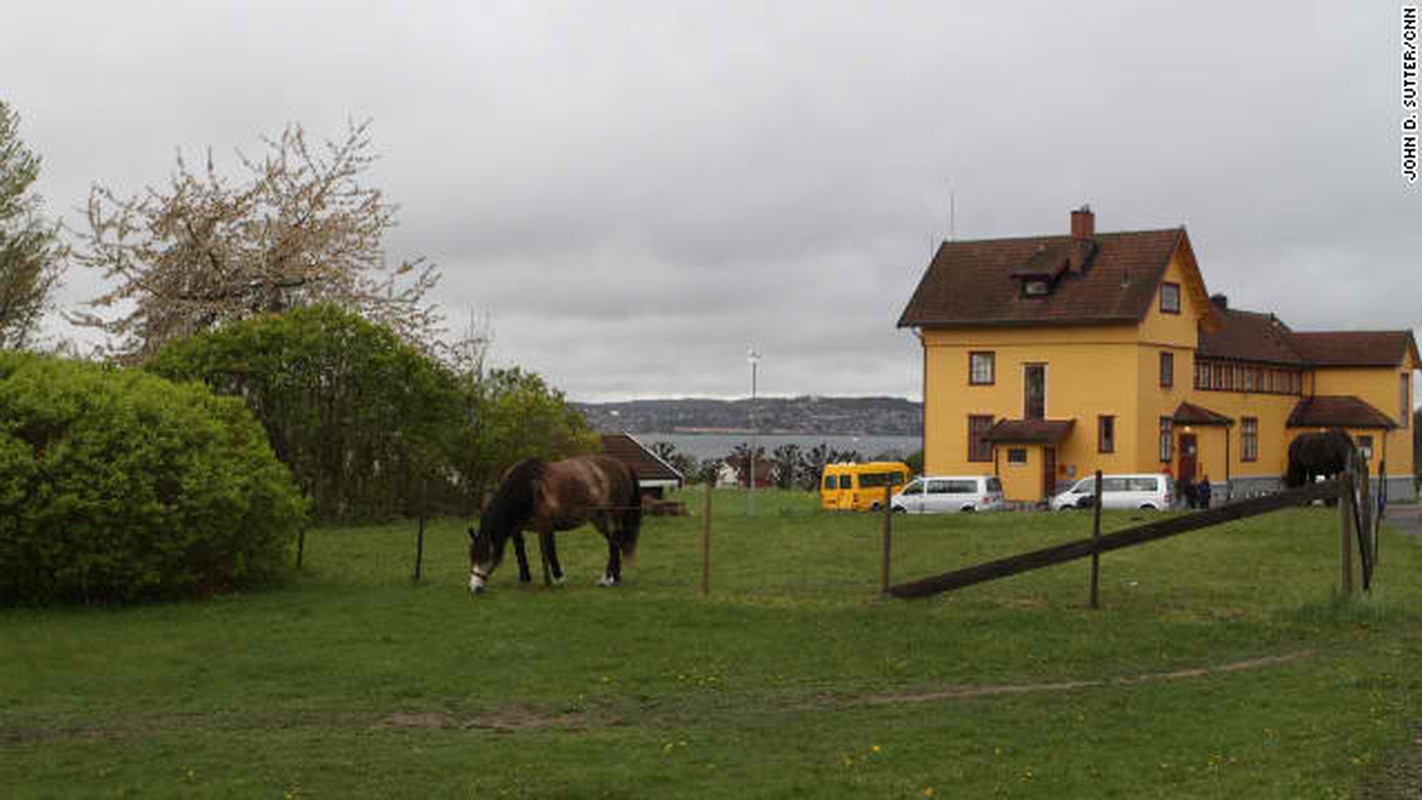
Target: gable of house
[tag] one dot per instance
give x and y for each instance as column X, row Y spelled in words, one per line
column 1098, row 278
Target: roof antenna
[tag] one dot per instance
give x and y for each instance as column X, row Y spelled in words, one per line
column 952, row 216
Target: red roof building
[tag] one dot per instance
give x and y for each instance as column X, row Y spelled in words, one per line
column 1104, row 350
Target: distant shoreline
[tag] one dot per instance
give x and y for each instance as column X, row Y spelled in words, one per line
column 765, row 416
column 712, row 431
column 719, row 445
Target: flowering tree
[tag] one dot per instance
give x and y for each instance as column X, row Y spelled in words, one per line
column 298, row 228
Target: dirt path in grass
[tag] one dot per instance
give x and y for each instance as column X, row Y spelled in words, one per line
column 518, row 717
column 968, row 692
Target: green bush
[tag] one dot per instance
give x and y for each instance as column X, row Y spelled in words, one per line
column 363, row 420
column 119, row 486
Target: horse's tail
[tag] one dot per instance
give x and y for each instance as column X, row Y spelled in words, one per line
column 631, row 513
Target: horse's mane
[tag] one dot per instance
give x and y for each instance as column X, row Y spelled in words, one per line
column 513, row 503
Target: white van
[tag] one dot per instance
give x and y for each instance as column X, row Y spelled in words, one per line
column 933, row 494
column 1151, row 491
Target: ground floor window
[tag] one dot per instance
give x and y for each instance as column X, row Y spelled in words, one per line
column 1017, row 455
column 1167, row 441
column 1105, row 434
column 1248, row 439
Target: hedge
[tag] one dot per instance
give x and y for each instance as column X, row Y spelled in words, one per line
column 119, row 486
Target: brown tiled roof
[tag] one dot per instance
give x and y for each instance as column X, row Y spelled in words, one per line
column 1029, row 431
column 1191, row 414
column 1334, row 411
column 1354, row 348
column 972, row 282
column 644, row 462
column 1249, row 336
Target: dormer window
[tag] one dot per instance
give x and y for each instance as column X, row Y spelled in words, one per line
column 1035, row 288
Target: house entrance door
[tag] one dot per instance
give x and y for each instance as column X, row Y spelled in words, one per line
column 1189, row 459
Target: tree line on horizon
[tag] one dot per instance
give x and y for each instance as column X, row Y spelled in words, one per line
column 788, row 466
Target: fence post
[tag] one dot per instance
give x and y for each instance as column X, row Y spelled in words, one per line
column 888, row 533
column 1096, row 539
column 706, row 543
column 300, row 546
column 1345, row 536
column 1365, row 520
column 420, row 548
column 1382, row 507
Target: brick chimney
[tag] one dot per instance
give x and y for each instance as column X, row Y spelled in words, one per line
column 1083, row 223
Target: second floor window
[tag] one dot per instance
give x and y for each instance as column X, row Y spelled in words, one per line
column 1167, row 369
column 982, row 368
column 1034, row 391
column 1170, row 298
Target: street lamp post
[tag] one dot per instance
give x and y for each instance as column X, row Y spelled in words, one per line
column 754, row 358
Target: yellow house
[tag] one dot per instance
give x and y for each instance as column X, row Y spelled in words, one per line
column 1048, row 357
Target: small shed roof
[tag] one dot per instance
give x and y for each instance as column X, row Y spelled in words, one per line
column 647, row 464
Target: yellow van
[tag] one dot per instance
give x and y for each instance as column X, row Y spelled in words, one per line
column 860, row 487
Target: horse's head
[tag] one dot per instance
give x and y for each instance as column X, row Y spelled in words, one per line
column 483, row 557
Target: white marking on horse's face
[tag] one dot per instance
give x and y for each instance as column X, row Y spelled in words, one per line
column 476, row 583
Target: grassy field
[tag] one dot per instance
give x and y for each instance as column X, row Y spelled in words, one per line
column 1220, row 665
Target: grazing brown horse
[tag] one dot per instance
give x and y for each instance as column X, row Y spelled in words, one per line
column 1318, row 454
column 550, row 496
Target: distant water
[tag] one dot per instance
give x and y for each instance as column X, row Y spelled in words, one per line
column 702, row 446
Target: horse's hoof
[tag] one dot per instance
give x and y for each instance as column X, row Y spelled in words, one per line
column 559, row 580
column 607, row 580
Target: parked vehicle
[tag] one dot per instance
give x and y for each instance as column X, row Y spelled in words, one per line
column 860, row 487
column 1151, row 491
column 937, row 494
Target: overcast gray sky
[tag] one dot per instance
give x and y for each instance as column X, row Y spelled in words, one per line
column 634, row 192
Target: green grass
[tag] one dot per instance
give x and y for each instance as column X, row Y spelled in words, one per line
column 793, row 679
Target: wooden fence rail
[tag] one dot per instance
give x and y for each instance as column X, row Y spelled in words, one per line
column 1082, row 548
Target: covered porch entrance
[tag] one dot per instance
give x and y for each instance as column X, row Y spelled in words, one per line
column 1202, row 446
column 1025, row 456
